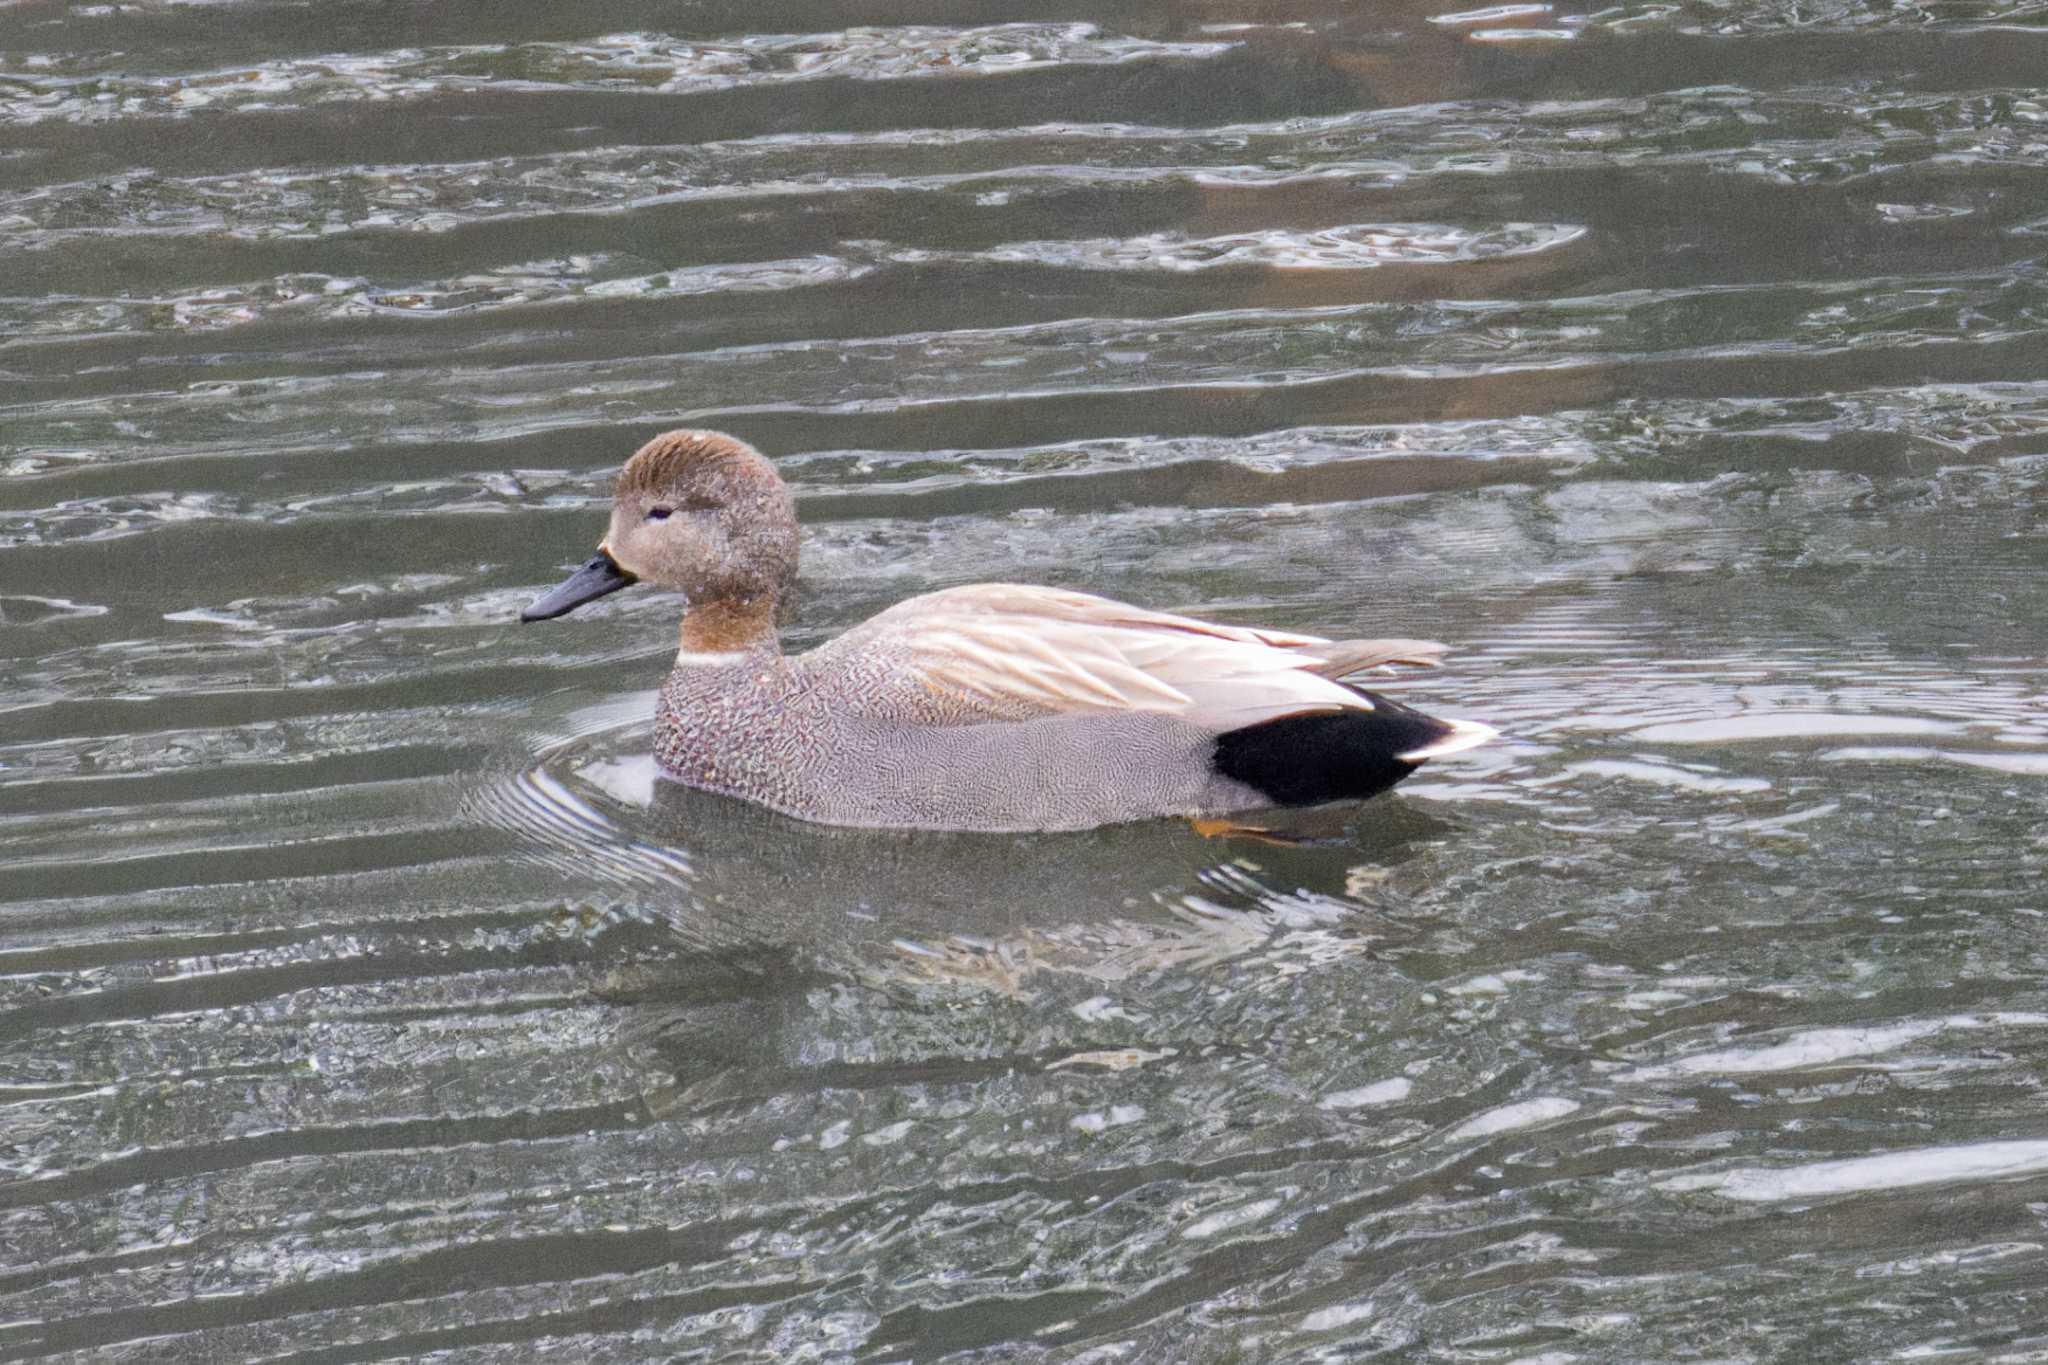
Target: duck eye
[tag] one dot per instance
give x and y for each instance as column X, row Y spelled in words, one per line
column 660, row 513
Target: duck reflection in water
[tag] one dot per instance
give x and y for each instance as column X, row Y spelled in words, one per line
column 763, row 921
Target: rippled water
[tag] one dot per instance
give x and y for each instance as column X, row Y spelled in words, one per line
column 362, row 997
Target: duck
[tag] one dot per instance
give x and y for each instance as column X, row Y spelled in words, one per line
column 997, row 707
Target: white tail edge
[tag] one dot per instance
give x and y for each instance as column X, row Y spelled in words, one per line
column 1465, row 734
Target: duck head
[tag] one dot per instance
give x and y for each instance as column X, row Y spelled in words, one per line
column 699, row 513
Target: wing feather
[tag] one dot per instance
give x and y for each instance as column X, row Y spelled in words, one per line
column 1004, row 651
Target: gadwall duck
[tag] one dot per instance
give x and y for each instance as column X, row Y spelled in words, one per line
column 995, row 707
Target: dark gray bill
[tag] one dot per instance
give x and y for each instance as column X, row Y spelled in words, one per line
column 600, row 576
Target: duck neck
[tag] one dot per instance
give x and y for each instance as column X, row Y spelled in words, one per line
column 731, row 625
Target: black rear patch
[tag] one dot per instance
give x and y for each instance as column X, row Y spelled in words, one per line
column 1318, row 756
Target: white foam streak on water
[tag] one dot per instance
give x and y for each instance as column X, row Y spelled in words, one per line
column 646, row 63
column 1661, row 775
column 1803, row 1051
column 1523, row 35
column 1341, row 1315
column 1354, row 246
column 1229, row 1220
column 1966, row 1163
column 1508, row 1118
column 1492, row 14
column 1819, row 1049
column 1366, row 1096
column 1809, row 137
column 2022, row 765
column 1774, row 724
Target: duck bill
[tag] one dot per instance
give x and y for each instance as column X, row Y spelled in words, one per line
column 600, row 576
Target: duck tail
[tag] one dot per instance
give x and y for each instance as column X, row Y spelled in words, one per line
column 1311, row 757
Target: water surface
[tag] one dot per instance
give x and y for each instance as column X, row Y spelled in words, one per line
column 362, row 997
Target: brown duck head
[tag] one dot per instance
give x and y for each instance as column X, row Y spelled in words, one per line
column 702, row 514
